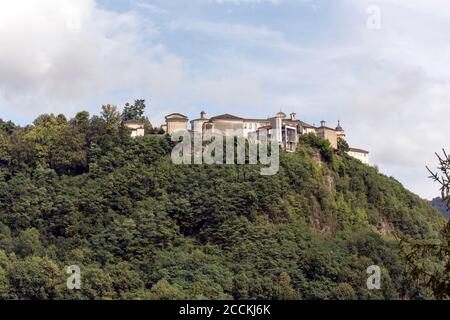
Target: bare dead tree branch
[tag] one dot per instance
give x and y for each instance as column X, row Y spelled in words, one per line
column 443, row 175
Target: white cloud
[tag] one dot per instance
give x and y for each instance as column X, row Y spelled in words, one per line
column 58, row 55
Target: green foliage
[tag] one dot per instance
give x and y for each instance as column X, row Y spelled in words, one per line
column 163, row 290
column 344, row 291
column 111, row 116
column 343, row 146
column 7, row 126
column 4, row 285
column 82, row 192
column 34, row 278
column 323, row 145
column 27, row 243
column 134, row 111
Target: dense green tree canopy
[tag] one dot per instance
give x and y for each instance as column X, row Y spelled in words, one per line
column 82, row 192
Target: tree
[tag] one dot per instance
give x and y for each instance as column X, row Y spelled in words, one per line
column 5, row 149
column 45, row 120
column 67, row 153
column 125, row 280
column 134, row 111
column 343, row 146
column 283, row 288
column 163, row 290
column 35, row 278
column 420, row 255
column 7, row 127
column 28, row 243
column 111, row 116
column 97, row 284
column 81, row 121
column 61, row 119
column 4, row 285
column 344, row 291
column 324, row 146
column 444, row 178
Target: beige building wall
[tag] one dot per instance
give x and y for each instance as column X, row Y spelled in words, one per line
column 224, row 125
column 251, row 126
column 176, row 125
column 137, row 128
column 341, row 134
column 176, row 122
column 328, row 134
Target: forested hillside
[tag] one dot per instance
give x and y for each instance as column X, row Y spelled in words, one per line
column 82, row 192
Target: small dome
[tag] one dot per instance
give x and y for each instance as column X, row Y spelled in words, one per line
column 339, row 128
column 281, row 115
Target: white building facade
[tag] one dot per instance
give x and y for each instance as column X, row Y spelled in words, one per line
column 361, row 155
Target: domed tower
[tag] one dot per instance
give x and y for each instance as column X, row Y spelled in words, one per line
column 277, row 126
column 340, row 131
column 281, row 115
column 197, row 124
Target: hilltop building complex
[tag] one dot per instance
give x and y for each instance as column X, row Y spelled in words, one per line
column 281, row 128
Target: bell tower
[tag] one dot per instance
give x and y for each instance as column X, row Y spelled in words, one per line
column 340, row 131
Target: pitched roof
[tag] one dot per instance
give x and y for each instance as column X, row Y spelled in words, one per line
column 306, row 125
column 176, row 116
column 226, row 116
column 325, row 127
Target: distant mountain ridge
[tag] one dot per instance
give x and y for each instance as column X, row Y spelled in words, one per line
column 441, row 206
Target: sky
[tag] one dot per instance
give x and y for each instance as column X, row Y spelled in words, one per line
column 382, row 67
